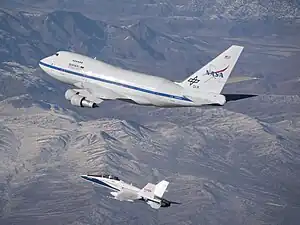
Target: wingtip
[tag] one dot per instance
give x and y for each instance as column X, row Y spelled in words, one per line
column 237, row 46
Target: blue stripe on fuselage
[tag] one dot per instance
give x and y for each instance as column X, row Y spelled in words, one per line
column 117, row 83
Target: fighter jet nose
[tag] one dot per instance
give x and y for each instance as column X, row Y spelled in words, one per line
column 84, row 176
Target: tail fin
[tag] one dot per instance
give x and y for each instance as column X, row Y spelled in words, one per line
column 213, row 76
column 147, row 191
column 160, row 188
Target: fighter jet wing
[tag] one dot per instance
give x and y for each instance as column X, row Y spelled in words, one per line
column 126, row 195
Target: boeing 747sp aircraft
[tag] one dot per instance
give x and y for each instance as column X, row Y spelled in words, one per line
column 95, row 81
column 151, row 193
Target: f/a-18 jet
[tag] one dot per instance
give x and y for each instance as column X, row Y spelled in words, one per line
column 152, row 194
column 95, row 81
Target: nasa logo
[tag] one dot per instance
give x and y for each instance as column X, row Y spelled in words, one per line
column 216, row 74
column 193, row 80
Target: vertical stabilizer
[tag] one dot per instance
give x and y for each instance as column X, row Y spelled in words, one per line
column 160, row 188
column 147, row 191
column 213, row 76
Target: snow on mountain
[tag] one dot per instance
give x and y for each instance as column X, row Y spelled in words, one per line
column 242, row 9
column 206, row 9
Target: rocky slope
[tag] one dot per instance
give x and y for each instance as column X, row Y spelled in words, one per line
column 237, row 164
column 223, row 166
column 206, row 9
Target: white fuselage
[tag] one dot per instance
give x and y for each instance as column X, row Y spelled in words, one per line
column 113, row 185
column 72, row 68
column 119, row 186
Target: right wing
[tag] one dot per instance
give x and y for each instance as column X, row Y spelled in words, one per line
column 237, row 79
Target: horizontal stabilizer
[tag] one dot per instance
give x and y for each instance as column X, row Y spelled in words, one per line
column 235, row 97
column 154, row 205
column 238, row 79
column 177, row 203
column 166, row 203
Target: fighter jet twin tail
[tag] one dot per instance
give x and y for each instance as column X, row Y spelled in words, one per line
column 95, row 81
column 151, row 194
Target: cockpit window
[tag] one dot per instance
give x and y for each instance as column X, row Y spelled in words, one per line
column 105, row 176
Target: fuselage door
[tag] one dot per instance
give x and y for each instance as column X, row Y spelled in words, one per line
column 84, row 73
column 77, row 68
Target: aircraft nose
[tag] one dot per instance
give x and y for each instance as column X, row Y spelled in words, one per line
column 45, row 61
column 84, row 177
column 41, row 63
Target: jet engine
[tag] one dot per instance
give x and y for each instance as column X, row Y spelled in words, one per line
column 70, row 93
column 78, row 100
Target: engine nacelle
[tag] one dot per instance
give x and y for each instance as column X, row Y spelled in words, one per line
column 70, row 93
column 79, row 100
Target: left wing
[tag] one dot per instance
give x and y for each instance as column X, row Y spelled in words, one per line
column 126, row 195
column 99, row 91
column 89, row 95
